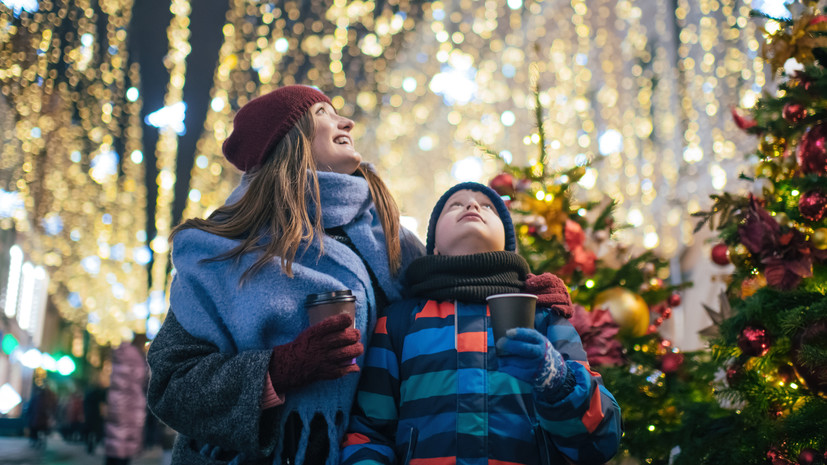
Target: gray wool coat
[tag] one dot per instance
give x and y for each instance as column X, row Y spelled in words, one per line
column 180, row 389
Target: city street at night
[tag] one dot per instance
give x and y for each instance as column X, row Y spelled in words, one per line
column 16, row 450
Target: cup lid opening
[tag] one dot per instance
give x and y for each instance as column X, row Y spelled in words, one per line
column 345, row 295
column 502, row 296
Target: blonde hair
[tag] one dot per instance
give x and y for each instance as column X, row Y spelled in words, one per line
column 275, row 207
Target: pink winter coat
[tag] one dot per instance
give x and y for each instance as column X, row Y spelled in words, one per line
column 126, row 403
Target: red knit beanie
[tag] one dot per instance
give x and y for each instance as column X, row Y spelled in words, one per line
column 261, row 124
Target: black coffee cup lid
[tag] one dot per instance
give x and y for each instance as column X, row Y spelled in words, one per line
column 334, row 296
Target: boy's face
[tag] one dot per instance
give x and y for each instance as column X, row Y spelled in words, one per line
column 468, row 224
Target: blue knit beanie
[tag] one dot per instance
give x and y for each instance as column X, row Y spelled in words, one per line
column 502, row 211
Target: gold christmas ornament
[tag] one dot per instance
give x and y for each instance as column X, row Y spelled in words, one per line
column 819, row 238
column 782, row 219
column 738, row 254
column 628, row 309
column 773, row 146
column 767, row 169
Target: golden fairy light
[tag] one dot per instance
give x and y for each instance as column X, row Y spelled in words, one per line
column 67, row 89
column 166, row 150
column 420, row 78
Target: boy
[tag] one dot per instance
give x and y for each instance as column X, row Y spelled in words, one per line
column 433, row 389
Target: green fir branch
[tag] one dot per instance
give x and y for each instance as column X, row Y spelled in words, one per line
column 538, row 117
column 726, row 207
column 605, row 219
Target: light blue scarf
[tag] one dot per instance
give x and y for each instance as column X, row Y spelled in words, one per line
column 268, row 310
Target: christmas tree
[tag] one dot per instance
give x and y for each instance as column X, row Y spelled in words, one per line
column 621, row 299
column 770, row 334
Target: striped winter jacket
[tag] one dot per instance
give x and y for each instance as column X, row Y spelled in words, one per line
column 431, row 394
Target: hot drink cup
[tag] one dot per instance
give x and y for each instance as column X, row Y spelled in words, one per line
column 327, row 304
column 511, row 311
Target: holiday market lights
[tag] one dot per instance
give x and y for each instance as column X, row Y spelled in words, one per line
column 605, row 67
column 612, row 94
column 467, row 77
column 72, row 154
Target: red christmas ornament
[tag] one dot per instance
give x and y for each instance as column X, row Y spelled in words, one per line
column 808, row 456
column 812, row 150
column 742, row 122
column 674, row 300
column 754, row 341
column 671, row 362
column 794, row 112
column 720, row 254
column 667, row 313
column 503, row 184
column 812, row 205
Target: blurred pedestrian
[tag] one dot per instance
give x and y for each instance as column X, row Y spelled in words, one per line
column 73, row 415
column 42, row 408
column 126, row 403
column 93, row 400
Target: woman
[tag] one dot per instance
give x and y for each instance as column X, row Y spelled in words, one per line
column 235, row 369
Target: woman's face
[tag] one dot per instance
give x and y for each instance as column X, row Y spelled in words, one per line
column 332, row 145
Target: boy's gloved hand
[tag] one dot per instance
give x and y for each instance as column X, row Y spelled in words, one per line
column 529, row 356
column 323, row 351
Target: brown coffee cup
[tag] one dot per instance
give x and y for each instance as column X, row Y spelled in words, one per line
column 511, row 311
column 327, row 304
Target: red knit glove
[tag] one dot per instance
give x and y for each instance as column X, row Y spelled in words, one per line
column 323, row 351
column 551, row 292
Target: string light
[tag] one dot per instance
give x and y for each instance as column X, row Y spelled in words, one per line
column 64, row 74
column 605, row 68
column 166, row 150
column 607, row 74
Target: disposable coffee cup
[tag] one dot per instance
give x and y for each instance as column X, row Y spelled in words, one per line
column 327, row 304
column 511, row 311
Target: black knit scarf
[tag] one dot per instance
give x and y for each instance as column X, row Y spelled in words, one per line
column 469, row 278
